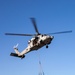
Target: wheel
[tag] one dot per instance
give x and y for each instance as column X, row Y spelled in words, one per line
column 47, row 46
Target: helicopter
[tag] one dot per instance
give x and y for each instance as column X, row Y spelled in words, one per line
column 36, row 42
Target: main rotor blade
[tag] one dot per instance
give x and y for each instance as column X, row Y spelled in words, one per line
column 34, row 24
column 19, row 34
column 61, row 32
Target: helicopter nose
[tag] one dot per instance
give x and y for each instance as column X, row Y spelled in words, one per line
column 52, row 37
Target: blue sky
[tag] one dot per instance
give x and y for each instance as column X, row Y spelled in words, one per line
column 51, row 16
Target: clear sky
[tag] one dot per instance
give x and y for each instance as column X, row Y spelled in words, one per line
column 51, row 16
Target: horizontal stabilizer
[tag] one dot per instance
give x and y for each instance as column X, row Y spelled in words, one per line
column 16, row 55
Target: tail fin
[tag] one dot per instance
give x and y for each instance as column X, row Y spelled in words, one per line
column 16, row 49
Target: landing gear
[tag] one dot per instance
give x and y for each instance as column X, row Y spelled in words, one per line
column 46, row 46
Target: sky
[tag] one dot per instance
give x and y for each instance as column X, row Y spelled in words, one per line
column 51, row 16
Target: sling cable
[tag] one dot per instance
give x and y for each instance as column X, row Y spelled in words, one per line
column 41, row 72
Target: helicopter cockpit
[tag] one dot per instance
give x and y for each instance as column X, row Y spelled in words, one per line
column 33, row 40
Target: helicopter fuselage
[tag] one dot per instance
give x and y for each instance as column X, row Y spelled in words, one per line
column 39, row 41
